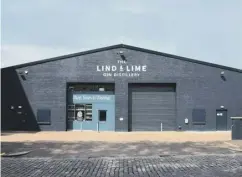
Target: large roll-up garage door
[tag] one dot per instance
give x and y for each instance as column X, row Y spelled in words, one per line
column 151, row 105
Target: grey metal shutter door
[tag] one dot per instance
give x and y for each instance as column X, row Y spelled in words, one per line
column 152, row 106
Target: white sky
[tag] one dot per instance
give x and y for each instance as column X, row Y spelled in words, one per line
column 200, row 29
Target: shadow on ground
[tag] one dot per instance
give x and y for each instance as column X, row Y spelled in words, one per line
column 104, row 149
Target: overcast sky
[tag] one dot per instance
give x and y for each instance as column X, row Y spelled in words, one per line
column 200, row 29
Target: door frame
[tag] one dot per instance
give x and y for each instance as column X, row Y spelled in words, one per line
column 161, row 83
column 70, row 82
column 222, row 110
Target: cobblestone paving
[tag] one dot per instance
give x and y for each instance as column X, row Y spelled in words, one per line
column 170, row 166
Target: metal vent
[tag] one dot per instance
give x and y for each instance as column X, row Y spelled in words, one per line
column 43, row 116
column 198, row 116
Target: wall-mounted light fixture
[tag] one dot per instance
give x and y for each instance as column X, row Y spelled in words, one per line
column 71, row 88
column 179, row 127
column 222, row 74
column 121, row 53
column 23, row 74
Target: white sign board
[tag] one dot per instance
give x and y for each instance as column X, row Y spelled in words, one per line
column 186, row 121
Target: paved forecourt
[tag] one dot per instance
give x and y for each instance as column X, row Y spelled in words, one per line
column 168, row 166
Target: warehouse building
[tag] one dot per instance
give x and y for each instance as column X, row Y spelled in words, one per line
column 120, row 88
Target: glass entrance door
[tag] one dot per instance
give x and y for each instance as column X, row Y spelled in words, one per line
column 80, row 117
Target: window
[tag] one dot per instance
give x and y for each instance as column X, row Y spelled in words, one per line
column 43, row 116
column 92, row 87
column 71, row 112
column 88, row 112
column 102, row 115
column 80, row 112
column 199, row 117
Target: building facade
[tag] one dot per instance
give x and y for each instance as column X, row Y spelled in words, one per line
column 120, row 88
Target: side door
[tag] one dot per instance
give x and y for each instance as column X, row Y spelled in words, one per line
column 221, row 120
column 105, row 117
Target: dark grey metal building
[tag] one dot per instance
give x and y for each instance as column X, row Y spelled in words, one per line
column 120, row 88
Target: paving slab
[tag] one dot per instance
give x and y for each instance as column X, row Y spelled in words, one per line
column 180, row 166
column 122, row 154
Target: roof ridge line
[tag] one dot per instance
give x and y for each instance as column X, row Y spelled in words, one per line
column 121, row 45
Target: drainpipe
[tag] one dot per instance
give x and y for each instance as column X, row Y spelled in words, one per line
column 98, row 126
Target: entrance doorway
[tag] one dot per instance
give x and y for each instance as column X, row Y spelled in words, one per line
column 221, row 119
column 91, row 107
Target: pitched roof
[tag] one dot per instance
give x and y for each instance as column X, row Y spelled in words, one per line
column 127, row 47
